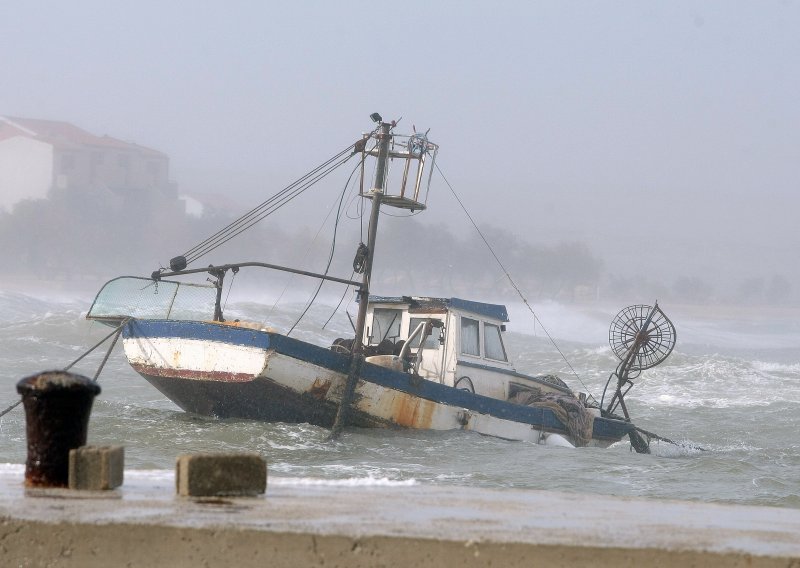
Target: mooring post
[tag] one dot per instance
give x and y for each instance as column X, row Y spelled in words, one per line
column 57, row 408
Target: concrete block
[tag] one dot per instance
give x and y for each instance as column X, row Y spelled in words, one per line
column 217, row 475
column 96, row 468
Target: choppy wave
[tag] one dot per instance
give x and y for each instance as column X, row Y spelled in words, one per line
column 731, row 389
column 346, row 482
column 792, row 370
column 718, row 382
column 164, row 477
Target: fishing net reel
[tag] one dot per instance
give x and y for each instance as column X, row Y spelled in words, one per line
column 641, row 337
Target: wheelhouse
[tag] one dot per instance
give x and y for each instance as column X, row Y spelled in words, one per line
column 455, row 342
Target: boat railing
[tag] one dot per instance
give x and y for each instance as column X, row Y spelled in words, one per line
column 145, row 298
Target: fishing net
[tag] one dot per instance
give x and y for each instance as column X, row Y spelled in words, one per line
column 578, row 420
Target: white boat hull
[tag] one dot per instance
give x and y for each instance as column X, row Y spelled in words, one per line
column 234, row 372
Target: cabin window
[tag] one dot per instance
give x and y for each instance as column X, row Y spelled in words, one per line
column 385, row 325
column 493, row 343
column 469, row 337
column 432, row 342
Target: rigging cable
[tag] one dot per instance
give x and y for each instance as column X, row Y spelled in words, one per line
column 510, row 279
column 230, row 287
column 292, row 277
column 258, row 209
column 246, row 222
column 322, row 225
column 269, row 206
column 339, row 305
column 344, row 294
column 347, row 288
column 333, row 246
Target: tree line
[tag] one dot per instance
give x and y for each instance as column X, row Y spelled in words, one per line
column 94, row 234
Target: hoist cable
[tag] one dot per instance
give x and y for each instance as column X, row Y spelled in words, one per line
column 510, row 279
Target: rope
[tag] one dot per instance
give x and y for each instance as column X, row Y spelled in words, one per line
column 10, row 408
column 510, row 279
column 333, row 247
column 96, row 345
column 117, row 332
column 651, row 435
column 110, row 349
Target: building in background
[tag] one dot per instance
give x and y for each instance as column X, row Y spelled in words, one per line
column 39, row 155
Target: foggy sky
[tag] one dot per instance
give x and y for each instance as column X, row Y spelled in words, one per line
column 666, row 135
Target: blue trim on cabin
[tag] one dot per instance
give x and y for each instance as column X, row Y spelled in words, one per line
column 492, row 311
column 511, row 373
column 339, row 362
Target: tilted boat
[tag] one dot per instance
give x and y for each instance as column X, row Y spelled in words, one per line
column 414, row 362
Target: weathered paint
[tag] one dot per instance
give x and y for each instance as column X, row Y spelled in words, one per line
column 224, row 376
column 236, row 372
column 320, row 388
column 412, row 412
column 195, row 359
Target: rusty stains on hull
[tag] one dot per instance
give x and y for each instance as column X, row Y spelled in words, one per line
column 319, row 389
column 412, row 412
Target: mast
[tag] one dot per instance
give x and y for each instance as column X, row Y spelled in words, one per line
column 357, row 357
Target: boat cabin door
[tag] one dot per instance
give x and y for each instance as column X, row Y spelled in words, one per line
column 428, row 345
column 393, row 327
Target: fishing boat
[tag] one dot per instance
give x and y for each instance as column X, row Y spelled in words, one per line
column 413, row 362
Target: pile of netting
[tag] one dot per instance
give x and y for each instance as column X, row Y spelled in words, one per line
column 568, row 409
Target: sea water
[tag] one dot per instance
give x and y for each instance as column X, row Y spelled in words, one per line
column 731, row 387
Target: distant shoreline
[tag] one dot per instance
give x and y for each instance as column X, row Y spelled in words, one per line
column 86, row 289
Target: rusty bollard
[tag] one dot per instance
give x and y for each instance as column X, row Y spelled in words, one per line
column 57, row 407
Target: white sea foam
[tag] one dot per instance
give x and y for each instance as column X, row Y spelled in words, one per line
column 166, row 477
column 769, row 367
column 346, row 482
column 560, row 321
column 717, row 381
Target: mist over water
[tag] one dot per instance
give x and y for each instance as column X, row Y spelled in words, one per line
column 662, row 136
column 731, row 387
column 626, row 151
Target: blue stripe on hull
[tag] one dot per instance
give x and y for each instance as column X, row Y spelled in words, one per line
column 541, row 417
